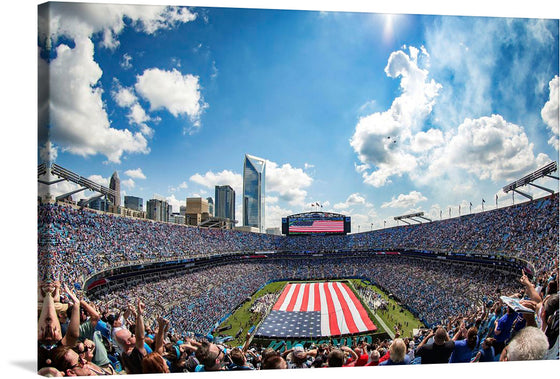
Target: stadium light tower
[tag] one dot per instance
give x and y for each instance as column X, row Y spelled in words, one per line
column 529, row 179
column 412, row 216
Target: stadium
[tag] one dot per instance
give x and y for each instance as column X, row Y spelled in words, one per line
column 315, row 279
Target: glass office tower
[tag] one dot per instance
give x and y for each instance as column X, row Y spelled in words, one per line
column 254, row 192
column 225, row 202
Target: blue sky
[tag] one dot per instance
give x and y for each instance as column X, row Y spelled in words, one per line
column 368, row 114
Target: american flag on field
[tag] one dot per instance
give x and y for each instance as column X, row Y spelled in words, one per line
column 317, row 226
column 316, row 310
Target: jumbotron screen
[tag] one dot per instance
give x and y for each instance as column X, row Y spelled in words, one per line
column 315, row 225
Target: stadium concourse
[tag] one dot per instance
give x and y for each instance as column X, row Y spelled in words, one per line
column 123, row 295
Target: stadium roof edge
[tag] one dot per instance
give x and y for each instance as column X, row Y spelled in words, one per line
column 325, row 214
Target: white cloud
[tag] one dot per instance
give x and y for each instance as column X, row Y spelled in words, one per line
column 128, row 183
column 75, row 109
column 405, row 200
column 271, row 200
column 550, row 112
column 125, row 62
column 181, row 186
column 307, row 166
column 136, row 173
column 175, row 203
column 100, row 180
column 289, row 182
column 363, row 222
column 488, row 147
column 353, row 199
column 274, row 214
column 177, row 93
column 225, row 177
column 124, row 97
column 425, row 141
column 137, row 114
column 83, row 19
column 479, row 59
column 72, row 107
column 380, row 139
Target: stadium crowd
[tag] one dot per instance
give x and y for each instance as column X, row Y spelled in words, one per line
column 163, row 325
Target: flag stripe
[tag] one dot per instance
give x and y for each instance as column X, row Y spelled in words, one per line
column 293, row 298
column 333, row 322
column 287, row 298
column 338, row 310
column 347, row 324
column 305, row 300
column 299, row 300
column 363, row 313
column 317, row 291
column 281, row 298
column 353, row 308
column 325, row 328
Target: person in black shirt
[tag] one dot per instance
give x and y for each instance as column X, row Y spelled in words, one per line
column 438, row 351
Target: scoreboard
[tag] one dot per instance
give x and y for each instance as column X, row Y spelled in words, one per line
column 315, row 224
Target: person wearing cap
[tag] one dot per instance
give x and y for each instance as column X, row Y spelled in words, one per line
column 297, row 357
column 439, row 350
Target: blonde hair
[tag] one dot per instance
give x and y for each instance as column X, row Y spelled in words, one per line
column 397, row 350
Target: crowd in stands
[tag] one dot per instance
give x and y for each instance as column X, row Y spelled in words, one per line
column 80, row 242
column 164, row 325
column 104, row 343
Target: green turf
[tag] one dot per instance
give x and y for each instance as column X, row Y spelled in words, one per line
column 392, row 317
column 243, row 319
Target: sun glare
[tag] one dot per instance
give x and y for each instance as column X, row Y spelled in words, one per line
column 388, row 28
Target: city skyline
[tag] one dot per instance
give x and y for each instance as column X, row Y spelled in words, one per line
column 369, row 115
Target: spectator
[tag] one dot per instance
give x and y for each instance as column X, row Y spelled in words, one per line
column 486, row 352
column 211, row 357
column 272, row 362
column 68, row 362
column 465, row 347
column 132, row 346
column 529, row 344
column 335, row 358
column 373, row 358
column 502, row 331
column 397, row 354
column 154, row 363
column 439, row 350
column 239, row 360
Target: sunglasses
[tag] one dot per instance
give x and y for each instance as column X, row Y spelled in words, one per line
column 86, row 348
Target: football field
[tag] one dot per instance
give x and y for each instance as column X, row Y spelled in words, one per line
column 288, row 310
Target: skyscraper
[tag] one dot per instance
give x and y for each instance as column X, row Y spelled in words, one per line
column 254, row 192
column 225, row 202
column 197, row 211
column 115, row 184
column 134, row 203
column 210, row 206
column 157, row 210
